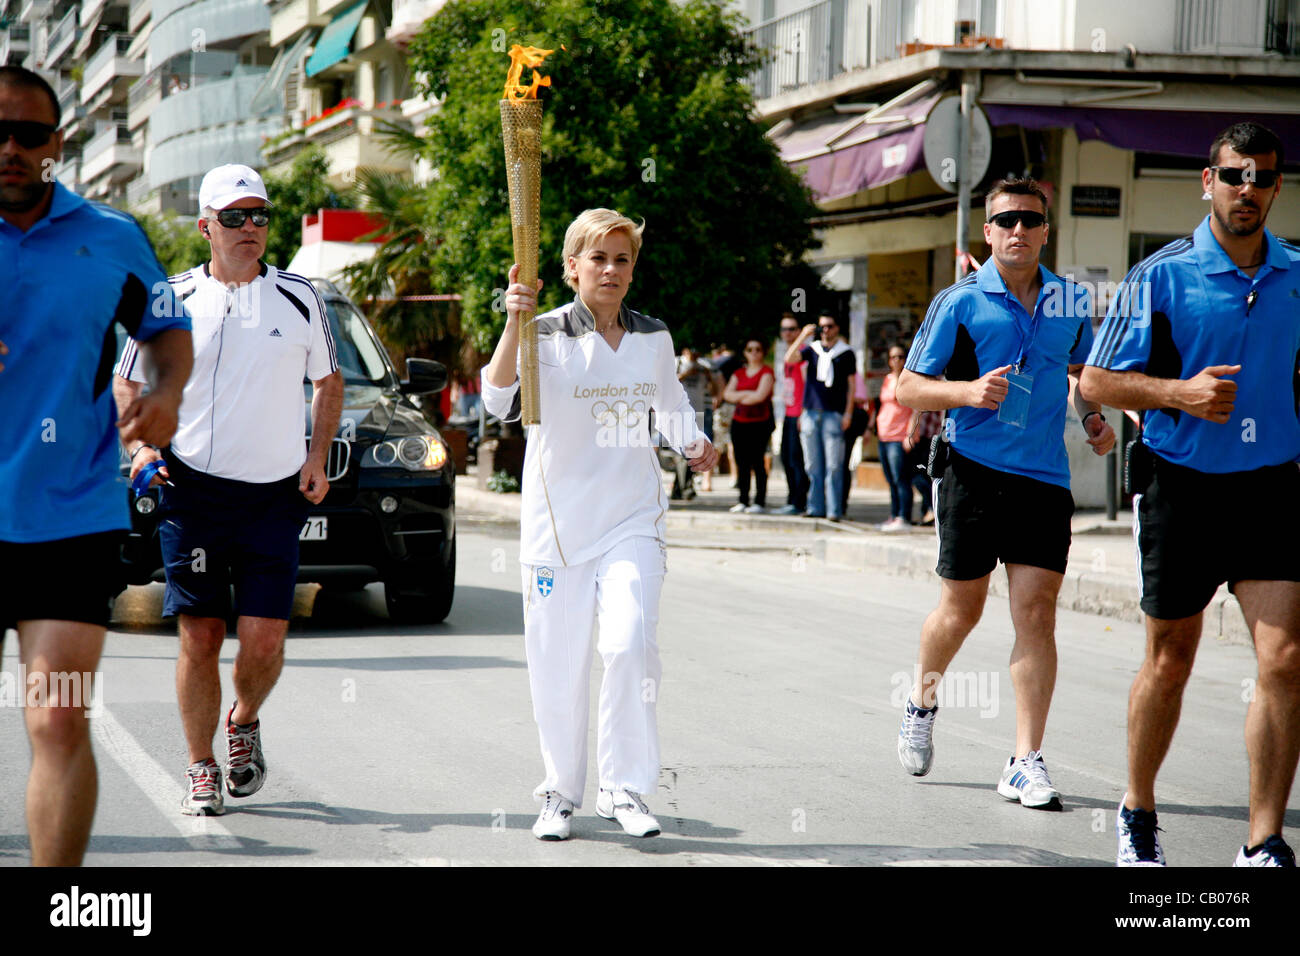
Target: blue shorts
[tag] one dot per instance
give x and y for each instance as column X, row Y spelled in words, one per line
column 216, row 532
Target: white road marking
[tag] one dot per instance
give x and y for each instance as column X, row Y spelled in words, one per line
column 162, row 788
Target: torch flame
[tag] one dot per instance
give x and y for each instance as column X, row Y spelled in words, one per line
column 520, row 57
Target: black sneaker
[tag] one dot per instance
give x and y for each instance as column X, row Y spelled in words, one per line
column 246, row 769
column 1138, row 843
column 1272, row 852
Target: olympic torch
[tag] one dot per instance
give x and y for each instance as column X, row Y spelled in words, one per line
column 521, row 128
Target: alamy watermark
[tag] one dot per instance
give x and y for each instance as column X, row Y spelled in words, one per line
column 82, row 689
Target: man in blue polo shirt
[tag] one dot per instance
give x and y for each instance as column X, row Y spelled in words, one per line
column 1204, row 336
column 1001, row 349
column 72, row 269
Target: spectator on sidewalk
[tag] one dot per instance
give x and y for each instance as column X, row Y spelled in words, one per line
column 750, row 388
column 790, row 394
column 827, row 412
column 862, row 420
column 892, row 426
column 922, row 428
column 725, row 362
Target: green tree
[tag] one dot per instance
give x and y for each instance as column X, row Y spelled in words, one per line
column 304, row 189
column 176, row 241
column 649, row 115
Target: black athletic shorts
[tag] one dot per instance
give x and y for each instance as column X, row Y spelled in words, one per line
column 71, row 579
column 216, row 532
column 1196, row 530
column 984, row 515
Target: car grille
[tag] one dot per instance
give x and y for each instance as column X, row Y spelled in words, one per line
column 340, row 458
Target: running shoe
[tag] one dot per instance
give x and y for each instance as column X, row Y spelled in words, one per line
column 1272, row 852
column 629, row 810
column 738, row 508
column 786, row 510
column 916, row 739
column 246, row 768
column 203, row 790
column 1026, row 780
column 1138, row 843
column 755, row 510
column 553, row 822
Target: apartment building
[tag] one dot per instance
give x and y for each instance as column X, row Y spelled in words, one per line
column 1111, row 105
column 345, row 76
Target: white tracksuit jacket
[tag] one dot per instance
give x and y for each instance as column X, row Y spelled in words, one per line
column 591, row 474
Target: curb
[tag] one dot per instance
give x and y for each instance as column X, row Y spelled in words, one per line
column 853, row 546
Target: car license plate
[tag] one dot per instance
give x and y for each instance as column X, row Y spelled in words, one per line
column 316, row 529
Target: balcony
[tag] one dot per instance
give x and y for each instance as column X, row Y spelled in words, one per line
column 35, row 10
column 138, row 14
column 69, row 170
column 89, row 12
column 409, row 17
column 348, row 134
column 220, row 20
column 208, row 124
column 70, row 108
column 61, row 39
column 110, row 152
column 15, row 42
column 110, row 65
column 811, row 45
column 291, row 18
column 1238, row 28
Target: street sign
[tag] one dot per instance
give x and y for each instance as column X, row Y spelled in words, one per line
column 942, row 137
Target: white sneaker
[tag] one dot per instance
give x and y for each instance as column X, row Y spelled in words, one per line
column 916, row 739
column 755, row 510
column 737, row 508
column 553, row 822
column 1026, row 780
column 893, row 524
column 629, row 810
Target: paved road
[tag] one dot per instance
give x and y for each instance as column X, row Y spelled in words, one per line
column 779, row 710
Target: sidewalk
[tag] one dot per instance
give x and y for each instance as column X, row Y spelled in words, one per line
column 1101, row 577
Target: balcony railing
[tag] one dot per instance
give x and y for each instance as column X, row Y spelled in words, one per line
column 811, row 45
column 137, row 13
column 33, row 10
column 1238, row 27
column 108, row 137
column 61, row 38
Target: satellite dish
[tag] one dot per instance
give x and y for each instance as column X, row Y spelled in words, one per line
column 943, row 136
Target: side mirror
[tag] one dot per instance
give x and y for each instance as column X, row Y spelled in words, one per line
column 424, row 377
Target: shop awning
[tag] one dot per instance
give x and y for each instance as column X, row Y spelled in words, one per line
column 1179, row 119
column 841, row 154
column 335, row 41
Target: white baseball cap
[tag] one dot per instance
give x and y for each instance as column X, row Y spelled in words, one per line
column 228, row 184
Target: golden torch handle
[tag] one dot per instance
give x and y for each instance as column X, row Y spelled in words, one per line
column 521, row 126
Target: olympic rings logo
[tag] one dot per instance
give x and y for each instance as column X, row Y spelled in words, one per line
column 618, row 413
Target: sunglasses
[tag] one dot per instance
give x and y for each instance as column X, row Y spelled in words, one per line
column 28, row 133
column 789, row 328
column 235, row 218
column 1236, row 175
column 1008, row 220
column 828, row 328
column 754, row 349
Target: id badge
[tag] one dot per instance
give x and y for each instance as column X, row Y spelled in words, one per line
column 1014, row 409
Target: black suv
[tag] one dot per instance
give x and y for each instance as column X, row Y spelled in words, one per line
column 390, row 514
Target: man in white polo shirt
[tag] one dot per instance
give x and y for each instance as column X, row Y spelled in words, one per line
column 239, row 474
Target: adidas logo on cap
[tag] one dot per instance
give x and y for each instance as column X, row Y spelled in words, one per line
column 241, row 183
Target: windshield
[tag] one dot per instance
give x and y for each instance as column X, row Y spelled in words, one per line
column 361, row 357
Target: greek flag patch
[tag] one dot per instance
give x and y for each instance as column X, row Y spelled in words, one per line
column 545, row 581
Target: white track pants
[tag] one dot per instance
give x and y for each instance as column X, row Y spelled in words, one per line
column 619, row 592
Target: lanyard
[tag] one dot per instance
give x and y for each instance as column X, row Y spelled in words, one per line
column 1027, row 339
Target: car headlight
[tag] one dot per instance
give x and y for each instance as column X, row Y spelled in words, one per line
column 414, row 453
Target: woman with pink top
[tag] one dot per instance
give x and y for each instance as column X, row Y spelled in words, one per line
column 892, row 423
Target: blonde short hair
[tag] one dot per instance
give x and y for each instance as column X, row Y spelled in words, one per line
column 588, row 229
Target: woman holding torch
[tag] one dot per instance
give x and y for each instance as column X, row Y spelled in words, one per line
column 592, row 545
